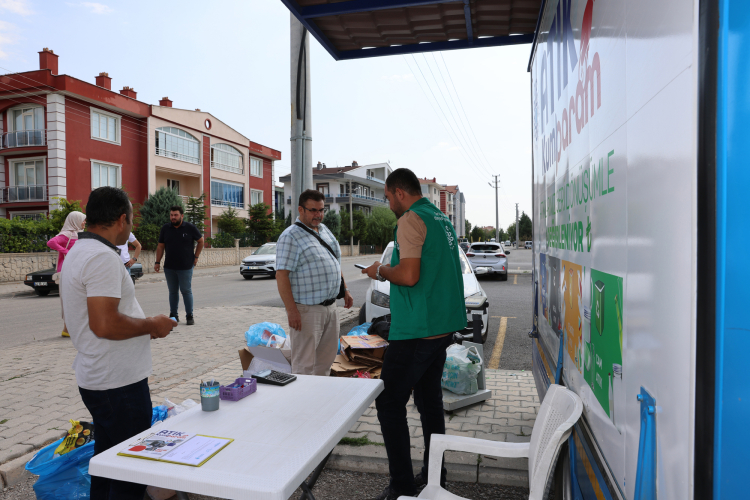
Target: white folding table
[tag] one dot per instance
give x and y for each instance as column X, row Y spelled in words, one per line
column 281, row 434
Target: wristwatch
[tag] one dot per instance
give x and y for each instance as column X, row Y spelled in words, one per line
column 135, row 260
column 377, row 273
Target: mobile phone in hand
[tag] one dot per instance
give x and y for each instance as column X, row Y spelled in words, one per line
column 360, row 266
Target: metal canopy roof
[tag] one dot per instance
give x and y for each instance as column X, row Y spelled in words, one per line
column 354, row 29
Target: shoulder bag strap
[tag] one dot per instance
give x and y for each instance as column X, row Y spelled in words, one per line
column 320, row 240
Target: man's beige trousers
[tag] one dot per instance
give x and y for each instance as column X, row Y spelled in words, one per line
column 314, row 346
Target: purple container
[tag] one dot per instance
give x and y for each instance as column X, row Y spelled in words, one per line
column 235, row 391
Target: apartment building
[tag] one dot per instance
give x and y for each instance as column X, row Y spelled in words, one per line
column 61, row 136
column 361, row 185
column 431, row 190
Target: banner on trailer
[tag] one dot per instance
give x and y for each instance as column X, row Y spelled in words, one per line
column 614, row 105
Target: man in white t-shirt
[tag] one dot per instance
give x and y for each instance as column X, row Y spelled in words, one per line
column 125, row 254
column 110, row 332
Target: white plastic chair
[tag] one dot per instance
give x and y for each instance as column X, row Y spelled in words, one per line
column 560, row 410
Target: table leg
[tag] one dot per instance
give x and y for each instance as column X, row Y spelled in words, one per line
column 307, row 486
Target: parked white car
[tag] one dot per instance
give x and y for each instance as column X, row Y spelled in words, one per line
column 378, row 296
column 261, row 262
column 490, row 257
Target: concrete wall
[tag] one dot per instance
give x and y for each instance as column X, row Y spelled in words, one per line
column 15, row 266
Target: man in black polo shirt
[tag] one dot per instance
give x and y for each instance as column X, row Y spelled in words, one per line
column 178, row 238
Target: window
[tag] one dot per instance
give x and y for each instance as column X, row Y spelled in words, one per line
column 256, row 197
column 27, row 181
column 225, row 194
column 105, row 126
column 323, row 188
column 104, row 174
column 29, row 216
column 26, row 127
column 28, row 173
column 175, row 143
column 256, row 167
column 173, row 185
column 225, row 157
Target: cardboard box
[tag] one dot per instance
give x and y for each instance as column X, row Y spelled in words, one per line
column 367, row 349
column 274, row 357
column 342, row 367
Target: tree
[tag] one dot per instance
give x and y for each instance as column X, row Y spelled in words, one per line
column 468, row 227
column 360, row 226
column 512, row 232
column 332, row 221
column 260, row 224
column 230, row 223
column 380, row 226
column 525, row 227
column 64, row 207
column 477, row 234
column 155, row 209
column 195, row 212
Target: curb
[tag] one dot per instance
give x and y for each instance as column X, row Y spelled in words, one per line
column 15, row 472
column 462, row 467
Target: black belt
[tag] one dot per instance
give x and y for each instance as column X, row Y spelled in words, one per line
column 327, row 302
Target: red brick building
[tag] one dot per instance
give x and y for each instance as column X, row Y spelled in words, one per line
column 62, row 137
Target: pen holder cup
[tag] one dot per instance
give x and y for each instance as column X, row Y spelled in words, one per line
column 210, row 396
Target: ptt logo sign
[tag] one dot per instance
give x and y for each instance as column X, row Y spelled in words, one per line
column 555, row 69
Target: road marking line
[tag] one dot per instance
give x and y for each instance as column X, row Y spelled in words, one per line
column 499, row 341
column 515, row 279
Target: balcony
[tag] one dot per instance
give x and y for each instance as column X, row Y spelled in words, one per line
column 228, row 168
column 227, row 203
column 361, row 200
column 177, row 156
column 15, row 194
column 23, row 139
column 371, row 178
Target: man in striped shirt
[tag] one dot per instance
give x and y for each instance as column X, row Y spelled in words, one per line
column 309, row 277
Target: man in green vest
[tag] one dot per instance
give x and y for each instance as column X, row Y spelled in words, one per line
column 427, row 307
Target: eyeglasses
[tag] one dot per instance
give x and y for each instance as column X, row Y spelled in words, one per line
column 316, row 211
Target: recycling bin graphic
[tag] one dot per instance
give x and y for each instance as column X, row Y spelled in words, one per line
column 599, row 306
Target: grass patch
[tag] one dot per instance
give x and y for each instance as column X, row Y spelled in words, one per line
column 3, row 421
column 360, row 441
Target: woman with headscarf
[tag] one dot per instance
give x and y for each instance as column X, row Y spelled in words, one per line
column 63, row 242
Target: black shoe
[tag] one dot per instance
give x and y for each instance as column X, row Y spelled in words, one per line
column 391, row 494
column 190, row 320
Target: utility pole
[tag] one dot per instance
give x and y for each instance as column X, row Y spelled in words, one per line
column 351, row 221
column 497, row 210
column 301, row 126
column 518, row 243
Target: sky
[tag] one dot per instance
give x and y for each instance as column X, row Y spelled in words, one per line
column 460, row 116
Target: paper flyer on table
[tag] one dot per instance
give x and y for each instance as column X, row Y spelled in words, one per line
column 176, row 447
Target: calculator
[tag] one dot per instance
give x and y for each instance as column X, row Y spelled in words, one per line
column 274, row 378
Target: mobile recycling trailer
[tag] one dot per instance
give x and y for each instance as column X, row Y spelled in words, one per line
column 639, row 117
column 640, row 111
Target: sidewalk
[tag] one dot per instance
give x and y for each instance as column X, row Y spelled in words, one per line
column 41, row 395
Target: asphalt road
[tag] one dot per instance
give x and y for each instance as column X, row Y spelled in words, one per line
column 27, row 317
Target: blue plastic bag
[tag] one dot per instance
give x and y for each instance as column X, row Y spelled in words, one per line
column 65, row 477
column 265, row 334
column 158, row 413
column 360, row 330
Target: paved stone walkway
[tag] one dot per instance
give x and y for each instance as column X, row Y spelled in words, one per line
column 508, row 415
column 40, row 395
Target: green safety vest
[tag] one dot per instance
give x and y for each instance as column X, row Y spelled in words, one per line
column 435, row 305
